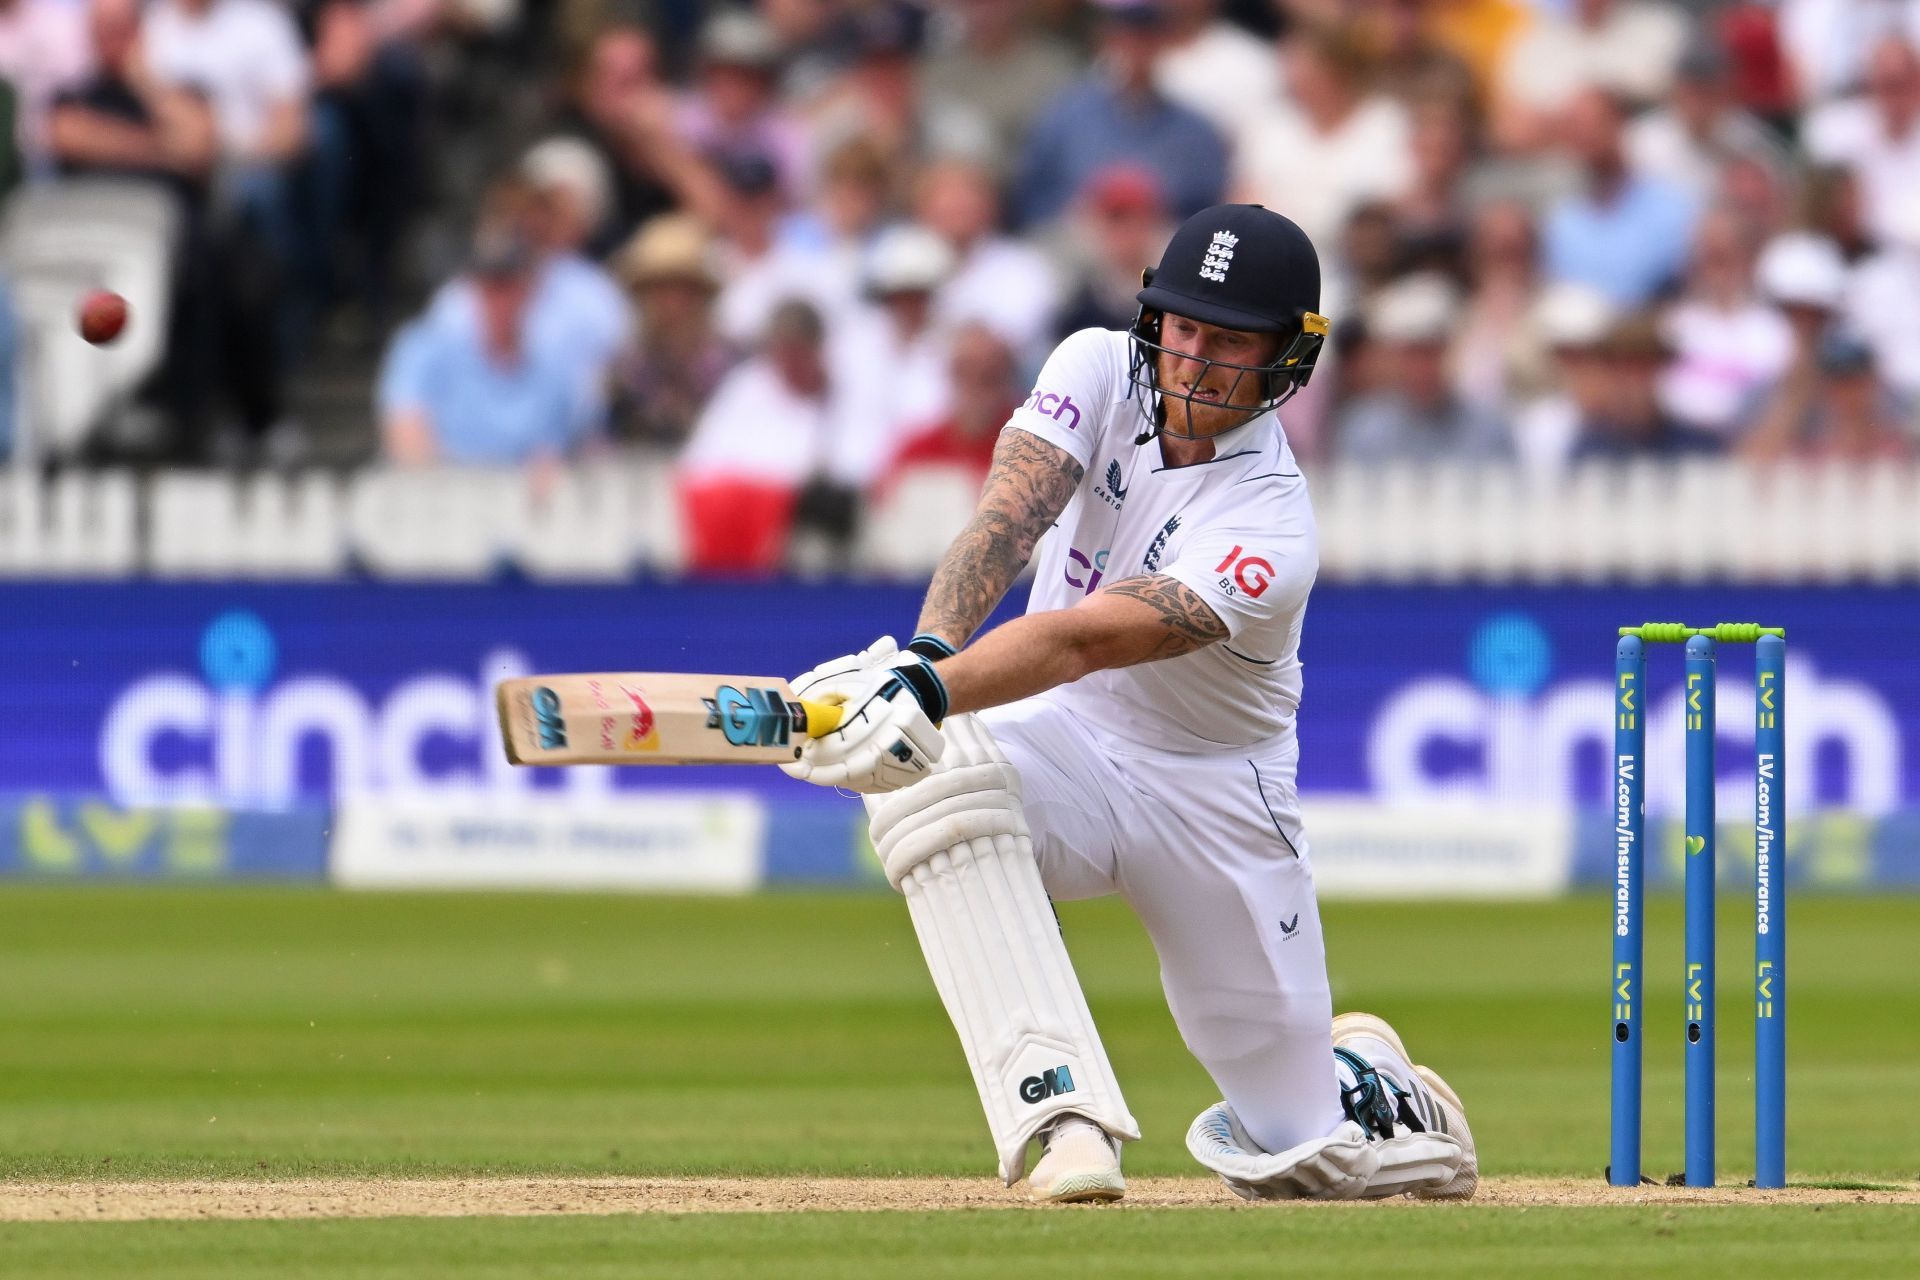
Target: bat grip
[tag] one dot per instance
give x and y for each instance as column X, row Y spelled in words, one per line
column 822, row 717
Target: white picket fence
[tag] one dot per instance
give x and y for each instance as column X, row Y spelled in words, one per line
column 1718, row 521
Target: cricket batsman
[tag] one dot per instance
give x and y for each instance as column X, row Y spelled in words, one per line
column 1133, row 733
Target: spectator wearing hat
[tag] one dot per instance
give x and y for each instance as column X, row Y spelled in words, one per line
column 1804, row 275
column 1631, row 423
column 1119, row 224
column 1413, row 414
column 1115, row 114
column 676, row 360
column 1877, row 136
column 995, row 61
column 578, row 300
column 1728, row 343
column 1561, row 339
column 889, row 356
column 997, row 280
column 1626, row 234
column 734, row 111
column 1334, row 126
column 1629, row 48
column 468, row 384
column 1835, row 408
column 762, row 438
column 1690, row 138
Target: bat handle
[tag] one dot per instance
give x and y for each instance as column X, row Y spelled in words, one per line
column 822, row 717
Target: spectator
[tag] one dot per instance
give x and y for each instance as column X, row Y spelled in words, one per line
column 568, row 189
column 1118, row 227
column 615, row 102
column 998, row 65
column 982, row 373
column 1490, row 354
column 1804, row 275
column 1411, row 63
column 1690, row 138
column 822, row 251
column 1630, row 422
column 1877, row 136
column 734, row 111
column 1629, row 48
column 1413, row 414
column 245, row 57
column 1626, row 234
column 676, row 362
column 466, row 384
column 758, row 443
column 362, row 174
column 1215, row 67
column 1727, row 342
column 881, row 97
column 43, row 51
column 1003, row 283
column 1432, row 206
column 1353, row 141
column 752, row 264
column 1115, row 115
column 1828, row 42
column 889, row 358
column 1883, row 307
column 1563, row 335
column 122, row 122
column 1834, row 408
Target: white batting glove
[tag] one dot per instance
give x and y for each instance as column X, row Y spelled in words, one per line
column 887, row 737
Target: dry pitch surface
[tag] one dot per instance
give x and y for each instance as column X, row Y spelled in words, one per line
column 520, row 1197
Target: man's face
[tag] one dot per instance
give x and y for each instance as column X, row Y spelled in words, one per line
column 1221, row 398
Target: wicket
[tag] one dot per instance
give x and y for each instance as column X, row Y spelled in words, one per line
column 1769, row 931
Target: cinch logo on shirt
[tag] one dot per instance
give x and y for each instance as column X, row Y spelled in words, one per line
column 1077, row 561
column 1112, row 494
column 1053, row 405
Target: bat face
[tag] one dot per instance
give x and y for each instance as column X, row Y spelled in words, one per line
column 655, row 718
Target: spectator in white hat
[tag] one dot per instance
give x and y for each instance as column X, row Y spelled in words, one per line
column 889, row 358
column 1414, row 414
column 571, row 194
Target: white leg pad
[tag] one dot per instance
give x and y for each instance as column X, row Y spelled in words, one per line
column 994, row 949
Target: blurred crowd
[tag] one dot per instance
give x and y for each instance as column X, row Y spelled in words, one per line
column 805, row 247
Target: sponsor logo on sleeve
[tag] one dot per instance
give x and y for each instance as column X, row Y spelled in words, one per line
column 1051, row 404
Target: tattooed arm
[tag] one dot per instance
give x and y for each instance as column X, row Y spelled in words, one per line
column 1027, row 489
column 1135, row 620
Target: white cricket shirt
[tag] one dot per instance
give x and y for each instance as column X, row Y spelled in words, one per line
column 1238, row 530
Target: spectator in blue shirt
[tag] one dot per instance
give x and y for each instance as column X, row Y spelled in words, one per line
column 467, row 384
column 1627, row 233
column 1114, row 114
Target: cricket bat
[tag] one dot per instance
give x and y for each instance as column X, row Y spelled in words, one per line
column 656, row 718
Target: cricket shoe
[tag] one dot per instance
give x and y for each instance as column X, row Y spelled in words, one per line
column 1430, row 1101
column 1079, row 1161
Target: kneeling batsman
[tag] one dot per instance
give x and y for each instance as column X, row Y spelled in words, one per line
column 946, row 819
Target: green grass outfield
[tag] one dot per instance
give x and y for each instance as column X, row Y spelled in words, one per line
column 274, row 1034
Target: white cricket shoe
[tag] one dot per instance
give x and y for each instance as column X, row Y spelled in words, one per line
column 1079, row 1162
column 1353, row 1030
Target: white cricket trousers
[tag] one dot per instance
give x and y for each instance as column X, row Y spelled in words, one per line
column 1208, row 851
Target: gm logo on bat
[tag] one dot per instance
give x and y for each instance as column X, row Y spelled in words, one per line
column 546, row 715
column 750, row 718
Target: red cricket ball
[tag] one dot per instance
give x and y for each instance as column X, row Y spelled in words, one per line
column 102, row 315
